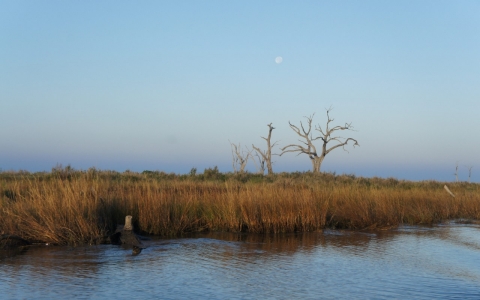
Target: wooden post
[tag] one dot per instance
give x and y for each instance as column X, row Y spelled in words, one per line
column 128, row 223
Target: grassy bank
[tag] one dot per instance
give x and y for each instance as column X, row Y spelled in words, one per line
column 70, row 207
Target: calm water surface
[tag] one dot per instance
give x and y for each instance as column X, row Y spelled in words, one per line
column 441, row 262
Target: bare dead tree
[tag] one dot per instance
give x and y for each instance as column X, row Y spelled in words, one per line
column 266, row 156
column 469, row 172
column 260, row 166
column 456, row 172
column 326, row 136
column 239, row 158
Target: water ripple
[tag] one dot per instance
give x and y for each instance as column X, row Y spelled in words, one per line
column 440, row 262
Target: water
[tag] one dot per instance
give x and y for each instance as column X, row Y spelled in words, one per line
column 441, row 262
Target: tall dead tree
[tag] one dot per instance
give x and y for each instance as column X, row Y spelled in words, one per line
column 266, row 155
column 239, row 158
column 326, row 136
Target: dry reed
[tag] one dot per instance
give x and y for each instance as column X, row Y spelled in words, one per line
column 72, row 207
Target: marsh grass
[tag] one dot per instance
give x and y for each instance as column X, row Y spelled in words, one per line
column 74, row 207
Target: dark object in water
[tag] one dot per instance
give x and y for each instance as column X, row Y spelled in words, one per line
column 8, row 241
column 124, row 235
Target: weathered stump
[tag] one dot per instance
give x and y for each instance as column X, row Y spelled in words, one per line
column 124, row 235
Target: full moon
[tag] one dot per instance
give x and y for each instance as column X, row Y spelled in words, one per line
column 278, row 59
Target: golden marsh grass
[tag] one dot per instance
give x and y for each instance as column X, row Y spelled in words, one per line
column 72, row 207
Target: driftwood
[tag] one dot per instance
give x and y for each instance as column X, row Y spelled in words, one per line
column 448, row 191
column 124, row 235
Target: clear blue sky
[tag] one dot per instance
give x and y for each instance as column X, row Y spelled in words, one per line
column 164, row 85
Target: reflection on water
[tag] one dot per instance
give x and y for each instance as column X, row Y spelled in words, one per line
column 410, row 262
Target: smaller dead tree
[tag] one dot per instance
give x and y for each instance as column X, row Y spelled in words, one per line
column 266, row 155
column 469, row 173
column 456, row 172
column 326, row 136
column 260, row 165
column 239, row 158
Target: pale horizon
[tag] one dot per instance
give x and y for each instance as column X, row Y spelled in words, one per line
column 168, row 85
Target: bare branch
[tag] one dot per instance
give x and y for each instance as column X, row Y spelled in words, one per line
column 343, row 145
column 261, row 163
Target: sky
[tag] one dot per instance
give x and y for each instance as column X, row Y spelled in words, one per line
column 169, row 85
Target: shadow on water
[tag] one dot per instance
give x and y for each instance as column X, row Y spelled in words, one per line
column 408, row 262
column 4, row 253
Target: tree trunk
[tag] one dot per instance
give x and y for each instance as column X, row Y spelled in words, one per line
column 269, row 167
column 317, row 163
column 267, row 155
